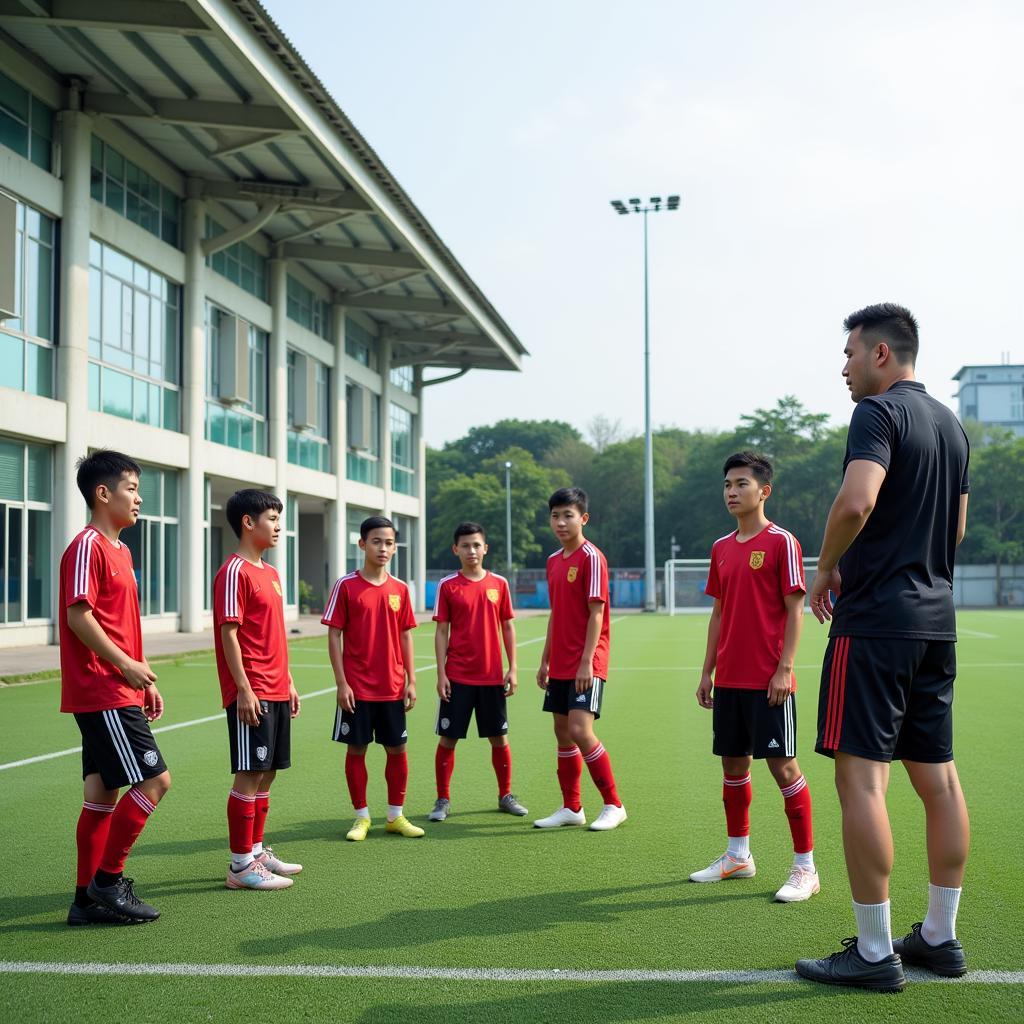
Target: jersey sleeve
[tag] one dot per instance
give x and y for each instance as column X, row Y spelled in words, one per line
column 505, row 610
column 596, row 571
column 442, row 611
column 790, row 565
column 406, row 618
column 713, row 587
column 872, row 434
column 83, row 570
column 336, row 612
column 230, row 594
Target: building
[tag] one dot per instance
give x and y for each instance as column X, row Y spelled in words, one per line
column 993, row 395
column 204, row 264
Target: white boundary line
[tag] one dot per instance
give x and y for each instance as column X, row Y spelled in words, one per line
column 750, row 977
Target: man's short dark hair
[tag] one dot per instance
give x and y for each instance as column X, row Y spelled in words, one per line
column 760, row 468
column 885, row 321
column 376, row 523
column 566, row 497
column 103, row 466
column 250, row 502
column 467, row 529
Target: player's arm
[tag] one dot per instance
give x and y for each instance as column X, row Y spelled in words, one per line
column 441, row 636
column 346, row 695
column 781, row 684
column 545, row 657
column 410, row 669
column 248, row 702
column 850, row 511
column 704, row 698
column 585, row 673
column 961, row 522
column 293, row 697
column 508, row 638
column 83, row 624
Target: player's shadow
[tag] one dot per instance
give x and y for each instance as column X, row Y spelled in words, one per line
column 14, row 909
column 516, row 914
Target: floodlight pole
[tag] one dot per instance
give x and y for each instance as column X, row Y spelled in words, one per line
column 508, row 518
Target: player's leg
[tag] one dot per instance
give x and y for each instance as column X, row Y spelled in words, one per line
column 98, row 802
column 492, row 724
column 444, row 767
column 355, row 730
column 803, row 881
column 279, row 759
column 450, row 726
column 570, row 760
column 389, row 728
column 582, row 715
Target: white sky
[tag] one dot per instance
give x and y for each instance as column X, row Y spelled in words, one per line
column 828, row 155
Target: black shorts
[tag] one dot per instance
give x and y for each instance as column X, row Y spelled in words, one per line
column 561, row 697
column 120, row 746
column 264, row 747
column 380, row 720
column 746, row 725
column 487, row 701
column 887, row 698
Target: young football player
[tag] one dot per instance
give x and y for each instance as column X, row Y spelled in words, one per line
column 574, row 665
column 473, row 612
column 257, row 690
column 757, row 581
column 369, row 615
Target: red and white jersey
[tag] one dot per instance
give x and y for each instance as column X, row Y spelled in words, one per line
column 100, row 573
column 752, row 580
column 476, row 609
column 251, row 595
column 575, row 582
column 372, row 618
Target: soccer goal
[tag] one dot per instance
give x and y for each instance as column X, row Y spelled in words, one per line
column 686, row 578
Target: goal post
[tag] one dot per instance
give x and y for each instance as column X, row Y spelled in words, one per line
column 687, row 578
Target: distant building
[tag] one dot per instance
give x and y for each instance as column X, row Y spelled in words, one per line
column 993, row 395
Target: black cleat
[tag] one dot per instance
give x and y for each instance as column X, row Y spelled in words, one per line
column 848, row 967
column 121, row 899
column 95, row 913
column 947, row 958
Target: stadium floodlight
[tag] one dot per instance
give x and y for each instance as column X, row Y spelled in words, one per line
column 508, row 519
column 650, row 589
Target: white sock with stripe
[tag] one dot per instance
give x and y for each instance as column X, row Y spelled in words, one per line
column 940, row 924
column 739, row 847
column 874, row 930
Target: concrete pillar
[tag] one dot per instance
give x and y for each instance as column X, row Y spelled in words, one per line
column 73, row 351
column 337, row 520
column 384, row 356
column 193, row 347
column 277, row 424
column 420, row 568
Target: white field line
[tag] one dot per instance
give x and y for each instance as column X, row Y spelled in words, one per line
column 748, row 977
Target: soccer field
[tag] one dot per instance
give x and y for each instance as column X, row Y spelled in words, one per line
column 486, row 912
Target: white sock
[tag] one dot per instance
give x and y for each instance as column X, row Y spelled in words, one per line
column 362, row 812
column 940, row 924
column 739, row 847
column 874, row 930
column 394, row 811
column 804, row 860
column 240, row 861
column 257, row 849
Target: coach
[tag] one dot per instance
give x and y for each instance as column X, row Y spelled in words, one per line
column 887, row 678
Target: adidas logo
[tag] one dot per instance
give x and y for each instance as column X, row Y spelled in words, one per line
column 773, row 745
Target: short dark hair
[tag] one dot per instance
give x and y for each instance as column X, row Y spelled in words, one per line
column 885, row 321
column 467, row 529
column 249, row 502
column 565, row 497
column 103, row 466
column 760, row 468
column 376, row 523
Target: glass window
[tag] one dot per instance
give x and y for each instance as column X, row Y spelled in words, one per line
column 402, row 377
column 360, row 344
column 310, row 446
column 26, row 490
column 239, row 263
column 291, row 532
column 26, row 123
column 403, row 463
column 363, row 463
column 305, row 308
column 153, row 542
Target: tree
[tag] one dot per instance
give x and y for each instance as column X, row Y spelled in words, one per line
column 604, row 431
column 538, row 437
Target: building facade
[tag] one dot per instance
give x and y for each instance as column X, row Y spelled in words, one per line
column 992, row 395
column 203, row 264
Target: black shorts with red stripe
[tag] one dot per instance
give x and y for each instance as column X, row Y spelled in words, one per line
column 887, row 698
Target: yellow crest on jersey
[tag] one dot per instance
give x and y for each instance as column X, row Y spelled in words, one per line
column 277, row 587
column 756, row 559
column 395, row 600
column 492, row 595
column 572, row 574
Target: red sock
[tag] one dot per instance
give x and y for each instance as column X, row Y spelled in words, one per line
column 241, row 817
column 798, row 810
column 355, row 775
column 259, row 822
column 736, row 795
column 126, row 825
column 91, row 838
column 396, row 772
column 444, row 765
column 570, row 771
column 501, row 759
column 600, row 766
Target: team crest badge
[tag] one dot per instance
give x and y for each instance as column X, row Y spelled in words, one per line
column 756, row 559
column 445, row 722
column 492, row 595
column 261, row 753
column 344, row 728
column 572, row 574
column 277, row 587
column 395, row 601
column 150, row 757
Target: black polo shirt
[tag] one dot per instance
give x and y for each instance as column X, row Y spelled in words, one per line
column 898, row 573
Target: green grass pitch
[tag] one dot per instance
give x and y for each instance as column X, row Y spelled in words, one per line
column 484, row 890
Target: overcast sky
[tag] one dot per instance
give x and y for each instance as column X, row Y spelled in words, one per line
column 828, row 155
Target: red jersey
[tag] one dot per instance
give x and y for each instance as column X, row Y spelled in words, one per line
column 251, row 596
column 574, row 583
column 372, row 618
column 752, row 579
column 476, row 609
column 101, row 574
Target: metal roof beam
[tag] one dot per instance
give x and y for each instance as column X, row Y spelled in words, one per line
column 318, row 225
column 292, row 197
column 242, row 231
column 386, row 284
column 445, row 338
column 357, row 257
column 396, row 303
column 204, row 114
column 239, row 145
column 127, row 15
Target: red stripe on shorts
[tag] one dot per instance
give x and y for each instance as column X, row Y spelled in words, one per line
column 837, row 693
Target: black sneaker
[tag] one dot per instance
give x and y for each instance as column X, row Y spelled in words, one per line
column 848, row 967
column 947, row 958
column 120, row 898
column 95, row 913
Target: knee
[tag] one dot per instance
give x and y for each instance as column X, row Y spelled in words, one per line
column 580, row 733
column 497, row 741
column 784, row 771
column 157, row 787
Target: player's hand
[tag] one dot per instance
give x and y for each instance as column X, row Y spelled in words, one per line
column 137, row 674
column 248, row 708
column 410, row 696
column 152, row 703
column 346, row 697
column 444, row 688
column 511, row 683
column 584, row 676
column 293, row 700
column 704, row 698
column 821, row 603
column 780, row 687
column 542, row 676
